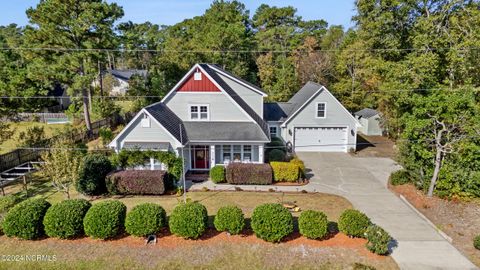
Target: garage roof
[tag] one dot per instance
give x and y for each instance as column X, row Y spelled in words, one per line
column 366, row 113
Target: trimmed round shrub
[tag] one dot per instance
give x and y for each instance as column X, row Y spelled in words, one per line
column 353, row 223
column 25, row 220
column 378, row 240
column 400, row 177
column 145, row 219
column 91, row 180
column 188, row 220
column 229, row 219
column 6, row 203
column 217, row 174
column 476, row 242
column 276, row 155
column 105, row 219
column 271, row 222
column 313, row 224
column 65, row 219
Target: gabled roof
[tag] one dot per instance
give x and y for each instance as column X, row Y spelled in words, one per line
column 366, row 113
column 238, row 79
column 127, row 73
column 277, row 111
column 303, row 95
column 169, row 120
column 224, row 131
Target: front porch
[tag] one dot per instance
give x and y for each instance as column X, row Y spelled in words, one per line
column 202, row 157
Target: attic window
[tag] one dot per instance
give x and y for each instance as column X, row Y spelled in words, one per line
column 145, row 121
column 197, row 76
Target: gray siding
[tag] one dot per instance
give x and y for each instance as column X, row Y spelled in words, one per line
column 155, row 133
column 221, row 107
column 252, row 98
column 336, row 116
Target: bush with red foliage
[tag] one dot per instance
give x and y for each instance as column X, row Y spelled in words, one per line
column 133, row 182
column 249, row 174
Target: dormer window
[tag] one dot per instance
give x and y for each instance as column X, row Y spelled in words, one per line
column 199, row 112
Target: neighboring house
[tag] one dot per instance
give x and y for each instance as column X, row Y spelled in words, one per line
column 213, row 117
column 313, row 120
column 121, row 79
column 370, row 120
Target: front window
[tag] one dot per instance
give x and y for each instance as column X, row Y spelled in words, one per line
column 321, row 110
column 236, row 153
column 247, row 153
column 199, row 112
column 273, row 131
column 227, row 154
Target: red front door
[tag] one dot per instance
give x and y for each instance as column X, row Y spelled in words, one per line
column 200, row 159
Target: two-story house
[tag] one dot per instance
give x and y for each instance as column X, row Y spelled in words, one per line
column 215, row 118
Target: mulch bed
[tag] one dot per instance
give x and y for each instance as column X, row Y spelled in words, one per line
column 459, row 219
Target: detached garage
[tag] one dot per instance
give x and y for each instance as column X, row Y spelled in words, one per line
column 313, row 120
column 320, row 139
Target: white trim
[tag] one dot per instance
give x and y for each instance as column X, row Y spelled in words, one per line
column 347, row 128
column 239, row 81
column 227, row 142
column 179, row 83
column 161, row 126
column 199, row 92
column 199, row 119
column 276, row 130
column 324, row 110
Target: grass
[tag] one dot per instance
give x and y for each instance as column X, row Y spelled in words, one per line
column 11, row 144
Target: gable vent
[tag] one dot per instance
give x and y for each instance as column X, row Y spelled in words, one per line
column 197, row 76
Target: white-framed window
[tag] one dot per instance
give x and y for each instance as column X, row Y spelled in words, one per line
column 273, row 131
column 247, row 153
column 145, row 121
column 199, row 112
column 321, row 111
column 197, row 76
column 236, row 153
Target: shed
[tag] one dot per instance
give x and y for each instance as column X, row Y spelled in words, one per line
column 370, row 120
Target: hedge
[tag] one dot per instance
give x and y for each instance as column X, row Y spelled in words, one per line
column 6, row 203
column 92, row 175
column 145, row 219
column 217, row 174
column 301, row 166
column 378, row 240
column 65, row 219
column 188, row 220
column 136, row 182
column 276, row 155
column 230, row 219
column 353, row 223
column 249, row 173
column 285, row 171
column 271, row 222
column 476, row 242
column 313, row 224
column 400, row 177
column 105, row 219
column 25, row 220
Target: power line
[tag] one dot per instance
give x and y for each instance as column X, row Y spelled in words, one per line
column 63, row 49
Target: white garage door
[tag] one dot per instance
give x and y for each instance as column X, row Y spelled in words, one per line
column 321, row 139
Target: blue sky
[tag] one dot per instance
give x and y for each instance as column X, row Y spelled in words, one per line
column 172, row 11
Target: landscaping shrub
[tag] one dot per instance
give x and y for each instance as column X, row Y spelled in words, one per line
column 277, row 140
column 145, row 219
column 313, row 224
column 276, row 155
column 353, row 223
column 272, row 222
column 133, row 182
column 6, row 203
column 25, row 220
column 301, row 166
column 92, row 174
column 188, row 220
column 230, row 219
column 217, row 174
column 476, row 242
column 65, row 219
column 285, row 171
column 378, row 240
column 249, row 173
column 400, row 177
column 105, row 219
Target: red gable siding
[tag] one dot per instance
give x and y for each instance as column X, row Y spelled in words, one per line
column 203, row 85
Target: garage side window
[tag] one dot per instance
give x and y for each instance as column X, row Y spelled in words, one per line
column 321, row 110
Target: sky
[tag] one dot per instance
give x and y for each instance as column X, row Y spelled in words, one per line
column 169, row 12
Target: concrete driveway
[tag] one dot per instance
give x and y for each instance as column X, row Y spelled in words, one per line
column 363, row 181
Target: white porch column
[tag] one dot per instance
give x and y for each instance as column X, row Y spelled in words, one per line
column 212, row 156
column 152, row 164
column 261, row 154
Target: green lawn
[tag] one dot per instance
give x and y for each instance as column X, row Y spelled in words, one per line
column 11, row 144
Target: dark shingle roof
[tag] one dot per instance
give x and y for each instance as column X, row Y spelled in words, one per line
column 258, row 119
column 366, row 113
column 238, row 78
column 303, row 95
column 224, row 131
column 169, row 120
column 127, row 74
